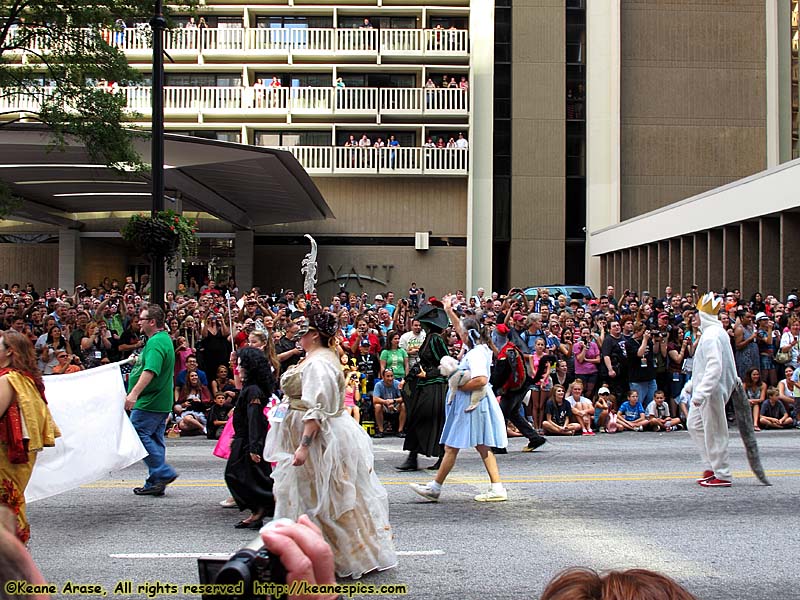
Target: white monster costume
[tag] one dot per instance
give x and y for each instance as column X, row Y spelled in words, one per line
column 713, row 381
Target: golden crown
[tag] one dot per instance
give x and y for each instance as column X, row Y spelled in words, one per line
column 709, row 304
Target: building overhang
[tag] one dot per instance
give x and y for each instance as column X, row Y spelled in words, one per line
column 769, row 192
column 246, row 186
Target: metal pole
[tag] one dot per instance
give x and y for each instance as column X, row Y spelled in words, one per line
column 158, row 25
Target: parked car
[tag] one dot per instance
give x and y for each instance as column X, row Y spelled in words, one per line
column 579, row 292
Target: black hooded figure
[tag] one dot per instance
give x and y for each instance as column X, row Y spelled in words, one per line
column 247, row 474
column 425, row 390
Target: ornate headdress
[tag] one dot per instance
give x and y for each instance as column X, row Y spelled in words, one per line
column 309, row 268
column 709, row 304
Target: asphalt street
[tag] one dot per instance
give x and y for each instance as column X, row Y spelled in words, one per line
column 608, row 502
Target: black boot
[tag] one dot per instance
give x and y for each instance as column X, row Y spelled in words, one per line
column 410, row 464
column 435, row 467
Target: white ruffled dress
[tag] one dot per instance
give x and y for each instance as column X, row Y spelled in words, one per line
column 337, row 486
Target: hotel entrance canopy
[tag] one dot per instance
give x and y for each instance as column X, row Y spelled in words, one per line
column 246, row 186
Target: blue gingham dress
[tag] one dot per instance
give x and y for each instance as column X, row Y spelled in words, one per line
column 484, row 425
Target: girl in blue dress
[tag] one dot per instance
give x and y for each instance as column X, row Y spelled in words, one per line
column 482, row 428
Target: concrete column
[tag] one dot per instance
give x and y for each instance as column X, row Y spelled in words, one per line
column 627, row 271
column 602, row 122
column 616, row 279
column 480, row 186
column 731, row 257
column 663, row 266
column 778, row 84
column 749, row 257
column 716, row 260
column 652, row 270
column 244, row 248
column 687, row 263
column 790, row 258
column 641, row 269
column 69, row 256
column 701, row 262
column 769, row 255
column 604, row 266
column 675, row 264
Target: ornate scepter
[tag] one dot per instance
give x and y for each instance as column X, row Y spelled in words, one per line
column 309, row 269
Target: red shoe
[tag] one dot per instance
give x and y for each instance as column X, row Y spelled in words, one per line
column 714, row 482
column 706, row 476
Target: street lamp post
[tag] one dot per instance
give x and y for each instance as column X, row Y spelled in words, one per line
column 158, row 25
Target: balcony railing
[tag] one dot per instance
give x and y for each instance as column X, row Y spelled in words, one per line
column 286, row 42
column 319, row 101
column 322, row 160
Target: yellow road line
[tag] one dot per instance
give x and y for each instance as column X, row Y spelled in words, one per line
column 558, row 478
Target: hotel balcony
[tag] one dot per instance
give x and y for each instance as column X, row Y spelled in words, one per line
column 260, row 102
column 257, row 44
column 329, row 160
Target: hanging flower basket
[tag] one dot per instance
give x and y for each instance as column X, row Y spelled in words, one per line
column 167, row 236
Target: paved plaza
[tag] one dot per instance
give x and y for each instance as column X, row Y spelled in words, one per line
column 620, row 501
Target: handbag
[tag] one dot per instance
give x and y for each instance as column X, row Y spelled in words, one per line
column 784, row 357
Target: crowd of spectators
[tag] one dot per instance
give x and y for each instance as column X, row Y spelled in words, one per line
column 611, row 363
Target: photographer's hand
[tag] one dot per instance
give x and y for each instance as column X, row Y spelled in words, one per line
column 303, row 552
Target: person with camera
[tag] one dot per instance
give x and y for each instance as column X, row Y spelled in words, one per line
column 614, row 366
column 324, row 466
column 640, row 350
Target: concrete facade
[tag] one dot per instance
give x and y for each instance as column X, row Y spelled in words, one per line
column 538, row 141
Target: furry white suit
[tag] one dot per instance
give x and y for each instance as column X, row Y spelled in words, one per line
column 713, row 381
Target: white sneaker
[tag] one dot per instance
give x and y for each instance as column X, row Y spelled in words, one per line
column 492, row 496
column 426, row 491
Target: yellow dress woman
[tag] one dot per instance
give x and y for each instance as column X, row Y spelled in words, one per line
column 26, row 425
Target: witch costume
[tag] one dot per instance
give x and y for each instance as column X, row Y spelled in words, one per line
column 426, row 390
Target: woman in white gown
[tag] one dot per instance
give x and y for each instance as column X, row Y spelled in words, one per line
column 324, row 460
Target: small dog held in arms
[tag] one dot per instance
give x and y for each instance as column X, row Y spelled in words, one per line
column 456, row 377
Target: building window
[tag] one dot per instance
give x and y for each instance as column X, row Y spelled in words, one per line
column 292, row 138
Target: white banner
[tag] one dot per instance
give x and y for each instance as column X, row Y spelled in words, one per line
column 96, row 434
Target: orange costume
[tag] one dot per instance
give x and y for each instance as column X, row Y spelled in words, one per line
column 25, row 429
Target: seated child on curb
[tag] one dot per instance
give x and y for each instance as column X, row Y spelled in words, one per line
column 557, row 413
column 582, row 408
column 658, row 415
column 632, row 414
column 773, row 414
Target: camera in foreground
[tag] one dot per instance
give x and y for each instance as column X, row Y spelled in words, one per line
column 251, row 573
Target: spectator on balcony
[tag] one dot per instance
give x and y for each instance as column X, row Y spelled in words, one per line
column 440, row 143
column 429, row 144
column 119, row 32
column 430, row 85
column 452, row 84
column 461, row 142
column 364, row 142
column 201, row 24
column 463, row 84
column 451, row 143
column 393, row 143
column 445, row 82
column 351, row 142
column 191, row 24
column 366, row 24
column 339, row 83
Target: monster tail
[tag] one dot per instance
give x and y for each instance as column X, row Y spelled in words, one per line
column 744, row 420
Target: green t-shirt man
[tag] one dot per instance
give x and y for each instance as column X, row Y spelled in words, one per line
column 158, row 357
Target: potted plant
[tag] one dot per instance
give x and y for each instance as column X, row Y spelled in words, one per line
column 167, row 236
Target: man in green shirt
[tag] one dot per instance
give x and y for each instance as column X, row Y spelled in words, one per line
column 150, row 399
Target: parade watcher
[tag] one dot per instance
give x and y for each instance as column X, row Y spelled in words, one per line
column 631, row 413
column 773, row 415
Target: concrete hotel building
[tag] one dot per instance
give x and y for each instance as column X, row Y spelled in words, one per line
column 402, row 213
column 634, row 142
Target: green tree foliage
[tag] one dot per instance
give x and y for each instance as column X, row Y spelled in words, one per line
column 54, row 57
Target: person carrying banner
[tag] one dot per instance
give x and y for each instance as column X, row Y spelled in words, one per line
column 26, row 425
column 150, row 399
